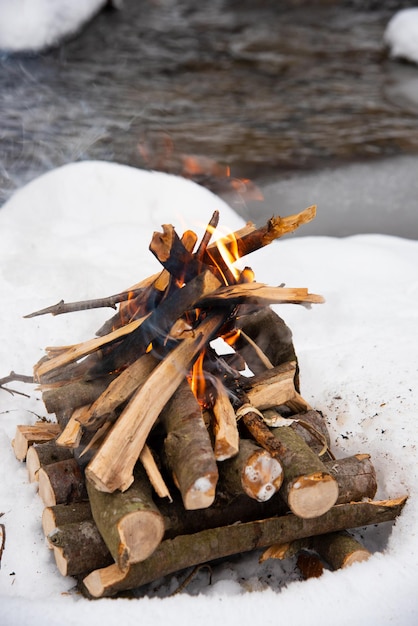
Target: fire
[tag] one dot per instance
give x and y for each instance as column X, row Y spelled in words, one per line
column 197, row 380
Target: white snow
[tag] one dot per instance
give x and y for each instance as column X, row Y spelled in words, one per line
column 33, row 25
column 401, row 35
column 83, row 231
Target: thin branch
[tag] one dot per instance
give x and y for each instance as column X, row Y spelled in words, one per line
column 13, row 377
column 213, row 223
column 84, row 305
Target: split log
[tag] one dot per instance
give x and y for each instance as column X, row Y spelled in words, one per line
column 259, row 294
column 225, row 426
column 308, row 488
column 252, row 471
column 129, row 522
column 113, row 464
column 59, row 515
column 77, row 546
column 188, row 449
column 153, row 472
column 44, row 454
column 187, row 550
column 273, row 387
column 61, row 483
column 26, row 436
column 71, row 435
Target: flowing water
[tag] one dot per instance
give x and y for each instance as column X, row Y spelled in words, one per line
column 265, row 88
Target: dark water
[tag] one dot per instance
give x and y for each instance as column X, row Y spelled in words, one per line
column 263, row 87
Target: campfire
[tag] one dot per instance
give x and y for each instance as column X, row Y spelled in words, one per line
column 181, row 435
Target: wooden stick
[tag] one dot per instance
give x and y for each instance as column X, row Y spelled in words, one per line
column 59, row 515
column 274, row 387
column 260, row 294
column 27, row 435
column 72, row 433
column 188, row 449
column 129, row 522
column 44, row 454
column 112, row 466
column 61, row 483
column 207, row 545
column 154, row 475
column 225, row 426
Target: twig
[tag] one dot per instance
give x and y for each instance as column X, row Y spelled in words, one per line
column 84, row 305
column 13, row 377
column 213, row 223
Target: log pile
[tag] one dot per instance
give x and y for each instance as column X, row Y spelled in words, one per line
column 168, row 451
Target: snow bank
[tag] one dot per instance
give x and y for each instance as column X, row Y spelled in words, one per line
column 401, row 35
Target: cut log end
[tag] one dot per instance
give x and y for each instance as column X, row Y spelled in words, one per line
column 312, row 495
column 140, row 534
column 201, row 494
column 262, row 476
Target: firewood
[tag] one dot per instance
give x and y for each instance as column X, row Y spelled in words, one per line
column 188, row 449
column 61, row 398
column 26, row 435
column 113, row 464
column 260, row 294
column 310, row 565
column 118, row 391
column 225, row 426
column 308, row 488
column 77, row 546
column 44, row 454
column 59, row 515
column 338, row 549
column 153, row 472
column 129, row 522
column 273, row 387
column 207, row 545
column 71, row 435
column 252, row 471
column 61, row 483
column 356, row 477
column 249, row 239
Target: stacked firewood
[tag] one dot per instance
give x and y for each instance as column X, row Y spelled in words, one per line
column 169, row 450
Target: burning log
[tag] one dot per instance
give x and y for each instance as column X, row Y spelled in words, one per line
column 187, row 550
column 129, row 522
column 188, row 449
column 225, row 427
column 42, row 454
column 25, row 436
column 61, row 482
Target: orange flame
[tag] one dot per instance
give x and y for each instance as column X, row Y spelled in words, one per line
column 197, row 381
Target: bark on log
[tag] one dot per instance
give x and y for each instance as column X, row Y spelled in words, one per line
column 252, row 471
column 77, row 546
column 67, row 397
column 26, row 436
column 130, row 523
column 44, row 454
column 113, row 464
column 272, row 388
column 188, row 449
column 59, row 515
column 356, row 477
column 188, row 550
column 308, row 488
column 61, row 483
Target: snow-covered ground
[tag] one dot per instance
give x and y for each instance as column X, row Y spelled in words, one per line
column 401, row 35
column 83, row 231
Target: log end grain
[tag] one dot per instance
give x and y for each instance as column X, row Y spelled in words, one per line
column 262, row 476
column 201, row 494
column 140, row 534
column 312, row 495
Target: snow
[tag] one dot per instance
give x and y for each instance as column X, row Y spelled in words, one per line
column 401, row 35
column 33, row 25
column 82, row 231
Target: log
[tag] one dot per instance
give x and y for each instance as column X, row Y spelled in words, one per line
column 59, row 515
column 225, row 426
column 356, row 477
column 129, row 522
column 27, row 435
column 61, row 398
column 77, row 546
column 71, row 435
column 308, row 488
column 187, row 550
column 272, row 388
column 61, row 483
column 252, row 471
column 113, row 464
column 259, row 294
column 153, row 472
column 188, row 449
column 44, row 454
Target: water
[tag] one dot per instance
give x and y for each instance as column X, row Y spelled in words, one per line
column 265, row 88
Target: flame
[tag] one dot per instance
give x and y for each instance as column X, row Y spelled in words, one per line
column 197, row 381
column 228, row 249
column 232, row 337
